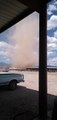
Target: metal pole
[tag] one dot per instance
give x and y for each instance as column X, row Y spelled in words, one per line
column 43, row 63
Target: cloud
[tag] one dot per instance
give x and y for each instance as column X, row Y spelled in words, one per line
column 51, row 39
column 26, row 38
column 52, row 50
column 52, row 7
column 52, row 22
column 5, row 49
column 4, row 53
column 50, row 54
column 49, row 12
column 55, row 2
column 4, row 44
column 52, row 61
column 52, row 46
column 55, row 34
column 51, row 43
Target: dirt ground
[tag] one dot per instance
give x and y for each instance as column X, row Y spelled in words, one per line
column 52, row 83
column 22, row 103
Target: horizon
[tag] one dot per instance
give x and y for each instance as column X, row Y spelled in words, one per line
column 49, row 66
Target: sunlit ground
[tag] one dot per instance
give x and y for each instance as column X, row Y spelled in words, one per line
column 52, row 83
column 32, row 81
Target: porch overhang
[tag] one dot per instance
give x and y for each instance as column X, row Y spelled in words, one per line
column 11, row 12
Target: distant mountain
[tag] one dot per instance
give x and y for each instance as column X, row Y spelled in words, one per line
column 49, row 66
column 4, row 65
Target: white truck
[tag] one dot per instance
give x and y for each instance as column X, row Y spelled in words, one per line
column 11, row 79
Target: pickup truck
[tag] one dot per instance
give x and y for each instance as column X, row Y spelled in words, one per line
column 11, row 79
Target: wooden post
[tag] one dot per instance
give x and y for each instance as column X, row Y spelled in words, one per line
column 43, row 62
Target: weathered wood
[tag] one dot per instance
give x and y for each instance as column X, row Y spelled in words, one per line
column 43, row 62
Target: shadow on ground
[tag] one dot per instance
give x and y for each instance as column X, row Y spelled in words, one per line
column 21, row 104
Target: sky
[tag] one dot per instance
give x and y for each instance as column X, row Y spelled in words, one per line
column 52, row 33
column 19, row 45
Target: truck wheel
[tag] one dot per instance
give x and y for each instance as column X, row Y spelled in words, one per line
column 12, row 85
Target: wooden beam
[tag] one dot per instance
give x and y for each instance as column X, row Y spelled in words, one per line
column 32, row 4
column 43, row 62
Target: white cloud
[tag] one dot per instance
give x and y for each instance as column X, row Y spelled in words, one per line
column 52, row 61
column 24, row 39
column 55, row 2
column 49, row 12
column 52, row 46
column 51, row 43
column 51, row 39
column 5, row 49
column 5, row 44
column 25, row 35
column 49, row 53
column 52, row 7
column 4, row 53
column 52, row 22
column 55, row 34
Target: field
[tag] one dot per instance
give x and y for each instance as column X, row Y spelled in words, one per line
column 22, row 103
column 52, row 83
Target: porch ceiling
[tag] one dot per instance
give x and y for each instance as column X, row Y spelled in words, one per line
column 12, row 11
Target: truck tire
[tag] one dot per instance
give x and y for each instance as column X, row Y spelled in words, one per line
column 13, row 85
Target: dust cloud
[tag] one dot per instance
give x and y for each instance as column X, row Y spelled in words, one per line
column 26, row 39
